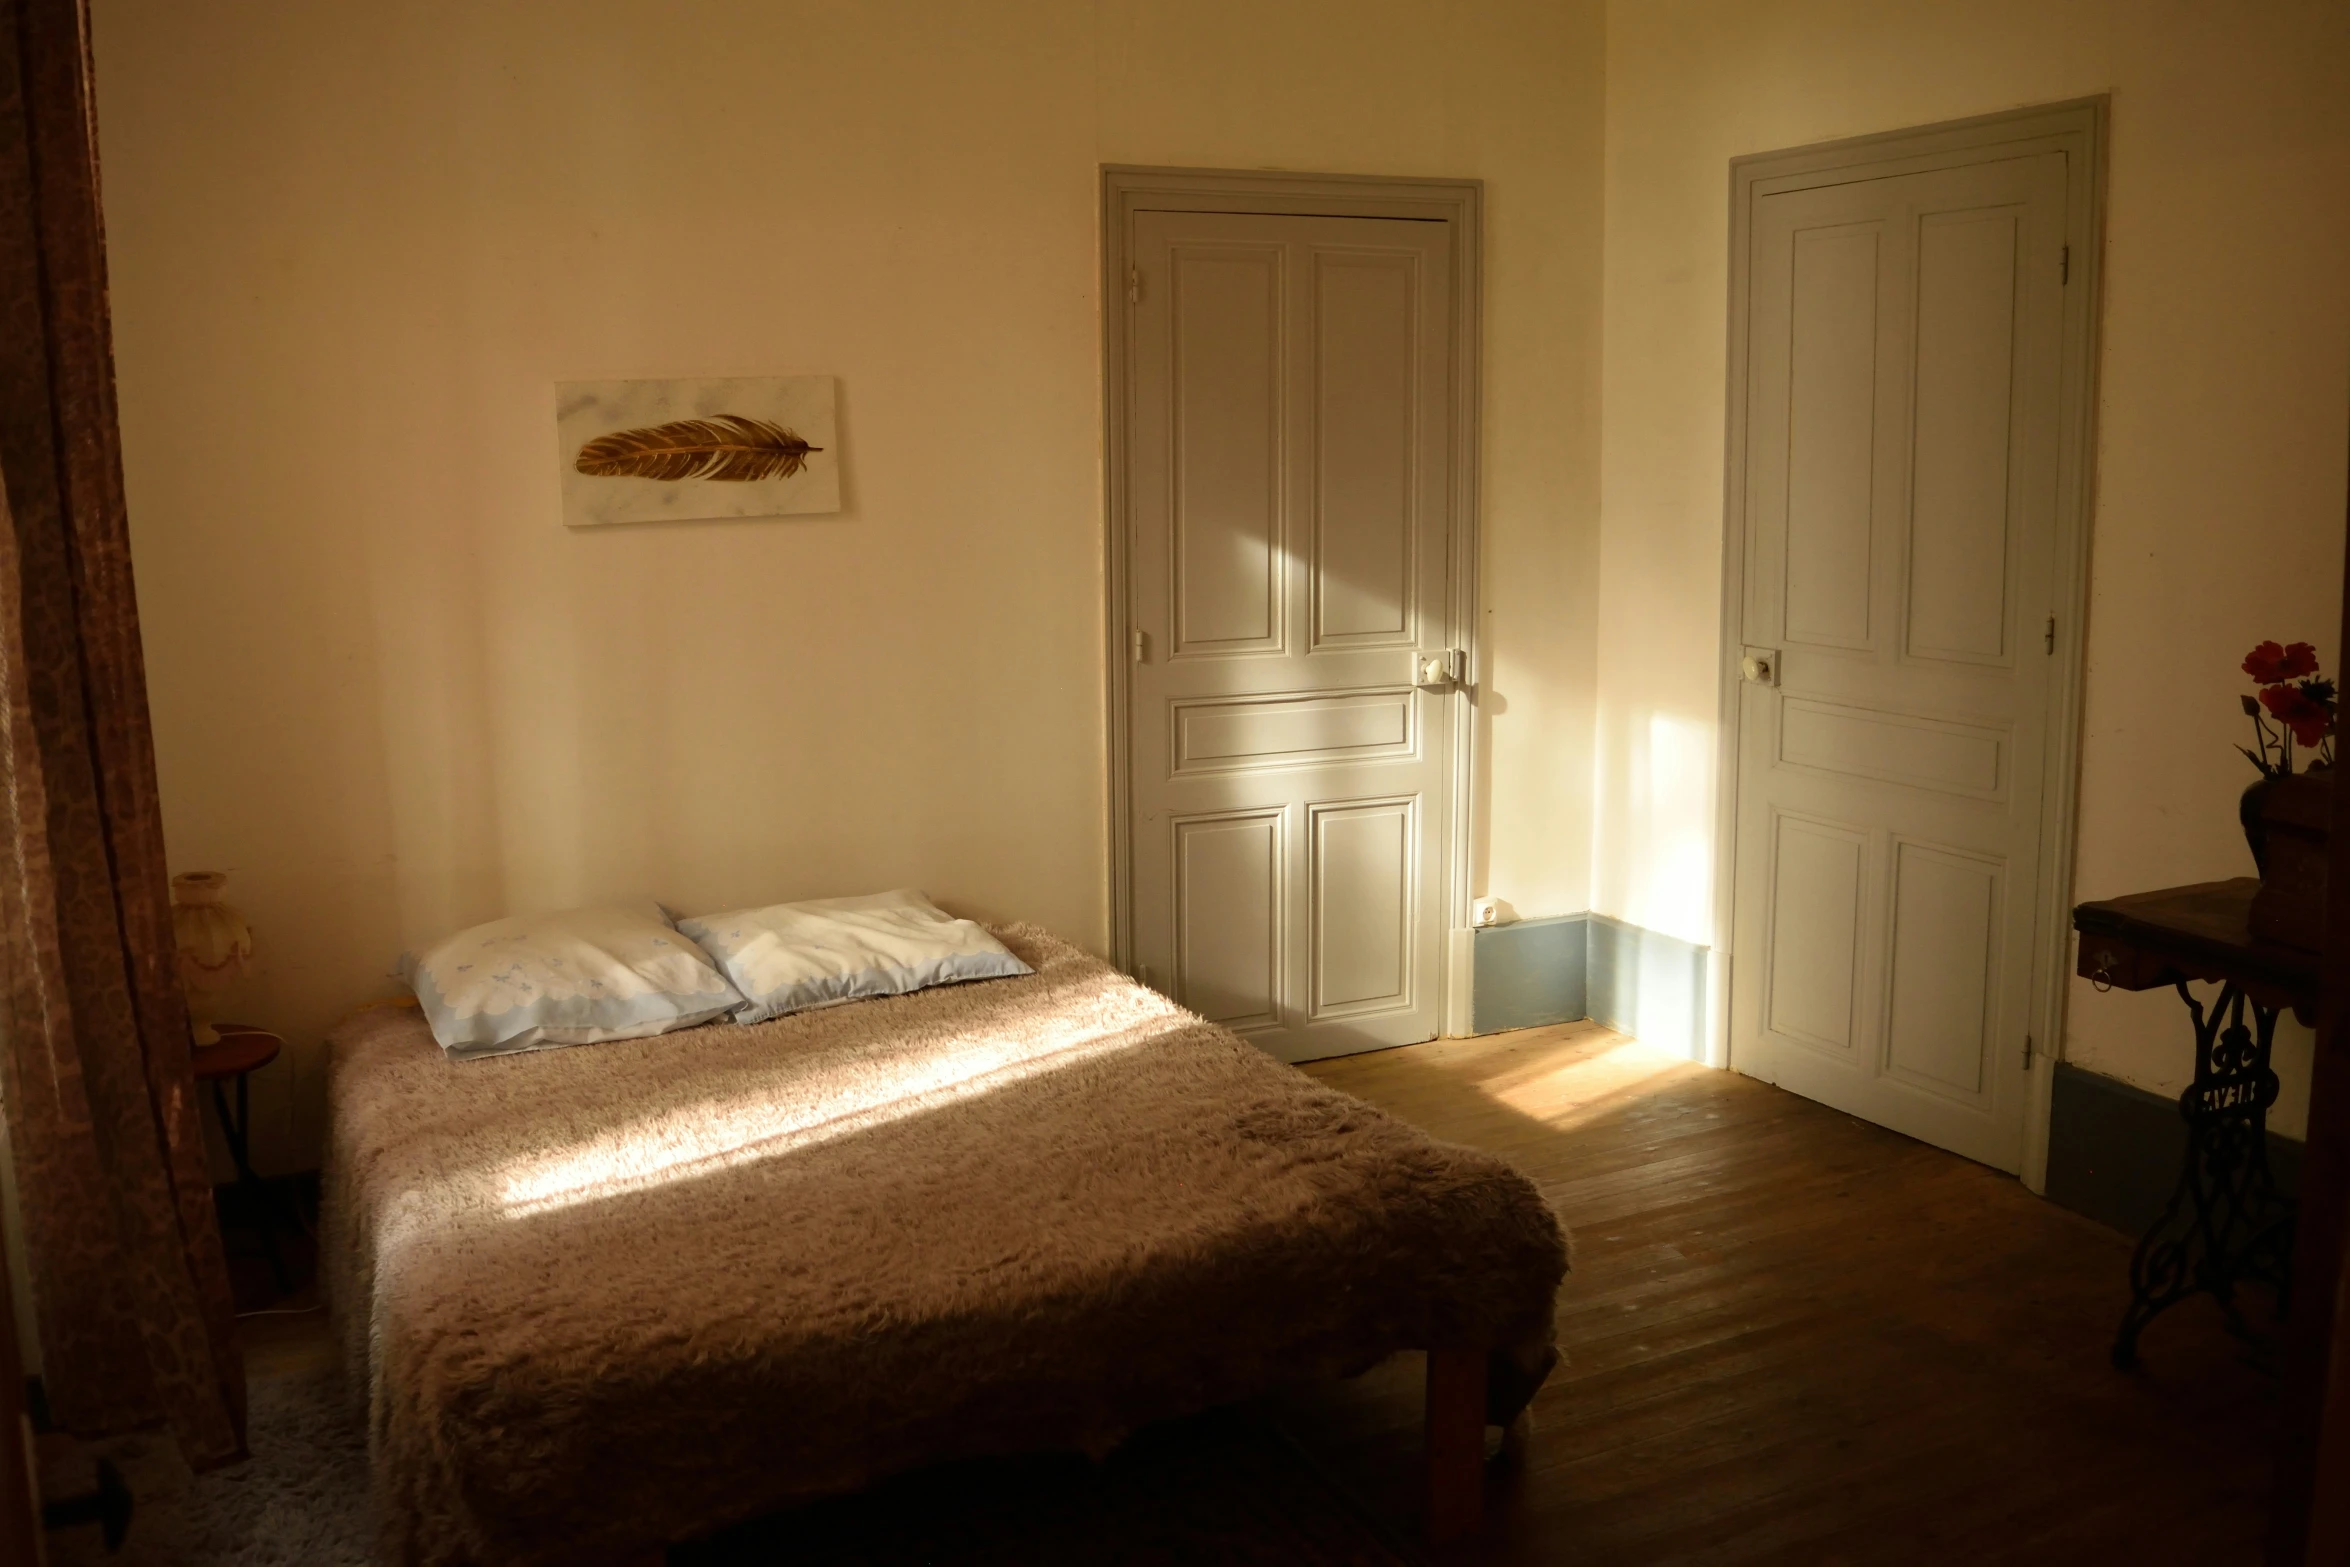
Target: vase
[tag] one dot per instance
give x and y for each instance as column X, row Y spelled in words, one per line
column 215, row 947
column 2251, row 809
column 2296, row 820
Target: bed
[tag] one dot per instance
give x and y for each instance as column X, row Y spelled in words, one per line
column 605, row 1298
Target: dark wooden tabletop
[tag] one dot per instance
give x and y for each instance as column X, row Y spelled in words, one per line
column 242, row 1048
column 2154, row 939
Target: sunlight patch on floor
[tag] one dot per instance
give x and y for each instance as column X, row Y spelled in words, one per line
column 1568, row 1089
column 1563, row 1075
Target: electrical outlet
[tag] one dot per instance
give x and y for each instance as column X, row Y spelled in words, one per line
column 1484, row 912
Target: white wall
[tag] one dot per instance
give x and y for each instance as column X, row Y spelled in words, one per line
column 2224, row 400
column 353, row 246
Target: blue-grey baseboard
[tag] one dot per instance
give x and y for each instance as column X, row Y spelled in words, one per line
column 2114, row 1150
column 1578, row 966
column 1529, row 974
column 1648, row 985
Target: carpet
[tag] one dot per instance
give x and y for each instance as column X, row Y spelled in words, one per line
column 299, row 1501
column 1228, row 1487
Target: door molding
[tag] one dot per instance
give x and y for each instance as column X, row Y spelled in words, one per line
column 1130, row 190
column 2077, row 129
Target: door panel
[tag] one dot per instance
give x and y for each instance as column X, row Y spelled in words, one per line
column 1946, row 917
column 1815, row 927
column 1365, row 337
column 1228, row 916
column 1903, row 363
column 1362, row 900
column 1831, row 409
column 1289, row 478
column 1931, row 753
column 1292, row 730
column 1959, row 516
column 1227, row 441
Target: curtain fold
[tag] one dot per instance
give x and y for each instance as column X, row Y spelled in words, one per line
column 130, row 1291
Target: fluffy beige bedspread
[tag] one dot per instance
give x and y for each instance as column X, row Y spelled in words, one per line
column 610, row 1296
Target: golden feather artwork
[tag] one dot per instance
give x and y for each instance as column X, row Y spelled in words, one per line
column 729, row 449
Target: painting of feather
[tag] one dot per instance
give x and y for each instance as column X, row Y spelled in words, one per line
column 655, row 451
column 729, row 449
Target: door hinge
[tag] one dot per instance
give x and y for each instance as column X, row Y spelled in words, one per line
column 1135, row 643
column 2048, row 634
column 2064, row 266
column 1134, row 285
column 2027, row 1052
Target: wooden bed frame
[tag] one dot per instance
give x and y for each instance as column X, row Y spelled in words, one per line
column 1455, row 1449
column 1456, row 1443
column 1459, row 1251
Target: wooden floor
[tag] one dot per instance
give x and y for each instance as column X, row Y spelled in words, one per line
column 1793, row 1336
column 1790, row 1336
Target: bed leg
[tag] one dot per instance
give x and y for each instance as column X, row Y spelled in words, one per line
column 1456, row 1443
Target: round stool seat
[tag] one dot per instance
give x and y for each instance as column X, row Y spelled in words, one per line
column 242, row 1048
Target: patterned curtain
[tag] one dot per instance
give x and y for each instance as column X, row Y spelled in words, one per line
column 130, row 1291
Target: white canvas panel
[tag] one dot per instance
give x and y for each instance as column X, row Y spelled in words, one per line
column 802, row 405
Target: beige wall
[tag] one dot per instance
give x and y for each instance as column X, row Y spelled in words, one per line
column 2224, row 399
column 353, row 246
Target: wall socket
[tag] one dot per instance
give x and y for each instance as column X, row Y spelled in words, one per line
column 1484, row 912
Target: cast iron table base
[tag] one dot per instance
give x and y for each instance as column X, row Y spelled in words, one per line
column 2226, row 1224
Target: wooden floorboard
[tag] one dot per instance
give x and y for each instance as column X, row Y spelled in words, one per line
column 1792, row 1336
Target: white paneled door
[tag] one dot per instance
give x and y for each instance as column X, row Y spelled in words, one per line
column 1288, row 473
column 1904, row 355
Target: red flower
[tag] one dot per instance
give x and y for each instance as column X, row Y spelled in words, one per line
column 2271, row 665
column 2297, row 710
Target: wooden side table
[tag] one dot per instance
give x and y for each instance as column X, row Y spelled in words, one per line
column 2226, row 1224
column 242, row 1051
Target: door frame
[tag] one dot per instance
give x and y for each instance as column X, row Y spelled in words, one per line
column 2078, row 129
column 1128, row 190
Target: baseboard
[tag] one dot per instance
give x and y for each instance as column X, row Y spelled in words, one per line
column 1575, row 966
column 2115, row 1150
column 1529, row 973
column 1648, row 985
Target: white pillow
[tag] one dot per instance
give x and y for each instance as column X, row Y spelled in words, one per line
column 564, row 979
column 790, row 957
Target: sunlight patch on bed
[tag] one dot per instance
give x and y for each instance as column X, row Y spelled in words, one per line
column 705, row 1137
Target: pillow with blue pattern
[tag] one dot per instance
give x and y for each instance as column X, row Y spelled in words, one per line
column 791, row 957
column 572, row 978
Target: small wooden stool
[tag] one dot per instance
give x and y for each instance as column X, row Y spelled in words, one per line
column 242, row 1051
